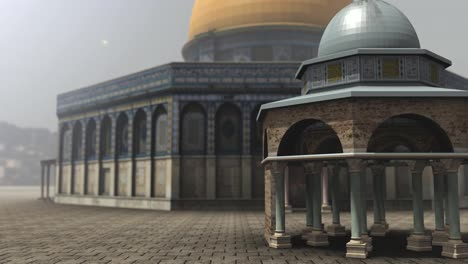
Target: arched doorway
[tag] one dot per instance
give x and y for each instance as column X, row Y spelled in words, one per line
column 308, row 137
column 407, row 133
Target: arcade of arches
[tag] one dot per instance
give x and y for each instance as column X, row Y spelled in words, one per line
column 131, row 154
column 356, row 148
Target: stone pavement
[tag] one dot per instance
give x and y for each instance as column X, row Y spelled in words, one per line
column 32, row 231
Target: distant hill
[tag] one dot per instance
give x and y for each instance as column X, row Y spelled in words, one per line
column 21, row 150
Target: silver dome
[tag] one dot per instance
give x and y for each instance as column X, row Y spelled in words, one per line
column 368, row 24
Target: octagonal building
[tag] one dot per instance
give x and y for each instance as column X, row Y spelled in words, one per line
column 183, row 135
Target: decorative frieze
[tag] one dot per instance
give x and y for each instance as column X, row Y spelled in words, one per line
column 373, row 68
column 192, row 76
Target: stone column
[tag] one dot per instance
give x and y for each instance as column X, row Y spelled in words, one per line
column 308, row 172
column 357, row 247
column 287, row 203
column 418, row 240
column 317, row 237
column 335, row 229
column 42, row 180
column 326, row 208
column 439, row 236
column 280, row 239
column 364, row 230
column 48, row 181
column 454, row 248
column 379, row 228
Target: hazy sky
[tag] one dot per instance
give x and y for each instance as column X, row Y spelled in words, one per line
column 52, row 46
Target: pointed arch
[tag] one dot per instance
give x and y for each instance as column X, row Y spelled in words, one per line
column 159, row 133
column 106, row 137
column 121, row 136
column 140, row 133
column 228, row 126
column 77, row 145
column 91, row 140
column 193, row 130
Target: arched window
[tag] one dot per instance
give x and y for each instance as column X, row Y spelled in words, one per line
column 160, row 126
column 106, row 135
column 228, row 130
column 77, row 142
column 65, row 144
column 193, row 127
column 139, row 133
column 91, row 140
column 122, row 135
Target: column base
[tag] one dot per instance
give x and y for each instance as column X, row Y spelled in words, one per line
column 317, row 238
column 336, row 230
column 439, row 237
column 379, row 230
column 306, row 233
column 419, row 243
column 288, row 209
column 326, row 208
column 455, row 249
column 280, row 240
column 356, row 249
column 368, row 240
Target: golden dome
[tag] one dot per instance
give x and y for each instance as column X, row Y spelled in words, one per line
column 218, row 15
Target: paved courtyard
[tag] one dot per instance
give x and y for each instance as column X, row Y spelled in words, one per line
column 32, row 231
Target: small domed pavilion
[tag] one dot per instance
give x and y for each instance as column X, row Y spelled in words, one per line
column 371, row 99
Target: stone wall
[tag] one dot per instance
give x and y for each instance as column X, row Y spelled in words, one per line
column 355, row 119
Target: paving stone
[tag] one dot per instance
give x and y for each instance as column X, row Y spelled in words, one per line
column 35, row 232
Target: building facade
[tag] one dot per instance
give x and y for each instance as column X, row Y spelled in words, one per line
column 184, row 134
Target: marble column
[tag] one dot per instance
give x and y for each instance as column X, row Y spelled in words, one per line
column 364, row 230
column 418, row 240
column 357, row 247
column 379, row 228
column 308, row 174
column 454, row 248
column 335, row 229
column 317, row 237
column 287, row 203
column 326, row 208
column 280, row 239
column 439, row 236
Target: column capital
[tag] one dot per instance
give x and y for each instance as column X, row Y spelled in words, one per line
column 378, row 168
column 312, row 167
column 446, row 166
column 278, row 167
column 438, row 168
column 356, row 165
column 452, row 165
column 333, row 169
column 416, row 166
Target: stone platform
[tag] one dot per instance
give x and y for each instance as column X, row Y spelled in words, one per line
column 32, row 231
